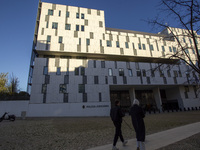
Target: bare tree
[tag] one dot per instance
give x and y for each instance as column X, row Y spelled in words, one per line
column 184, row 14
column 14, row 84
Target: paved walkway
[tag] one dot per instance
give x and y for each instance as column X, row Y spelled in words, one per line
column 160, row 139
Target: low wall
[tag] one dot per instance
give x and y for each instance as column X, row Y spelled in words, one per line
column 69, row 109
column 25, row 109
column 14, row 107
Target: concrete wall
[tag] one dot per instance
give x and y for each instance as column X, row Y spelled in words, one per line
column 54, row 110
column 69, row 109
column 13, row 107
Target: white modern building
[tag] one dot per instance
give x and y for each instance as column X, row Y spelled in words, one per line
column 79, row 67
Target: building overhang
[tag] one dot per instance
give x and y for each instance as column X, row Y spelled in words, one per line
column 106, row 57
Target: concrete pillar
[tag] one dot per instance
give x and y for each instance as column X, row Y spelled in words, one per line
column 132, row 95
column 156, row 92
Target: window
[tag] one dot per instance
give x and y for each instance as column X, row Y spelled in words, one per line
column 114, row 80
column 44, row 88
column 190, row 41
column 77, row 27
column 195, row 91
column 186, row 50
column 109, row 43
column 63, row 88
column 106, row 80
column 175, row 73
column 96, row 80
column 168, row 73
column 143, row 46
column 100, row 42
column 67, row 26
column 126, row 45
column 103, row 64
column 60, row 39
column 79, row 42
column 110, row 73
column 139, row 46
column 138, row 73
column 98, row 12
column 81, row 88
column 117, row 43
column 100, row 99
column 82, row 71
column 50, row 12
column 193, row 51
column 76, row 71
column 58, row 72
column 47, row 24
column 161, row 73
column 87, row 41
column 100, row 24
column 82, row 28
column 151, row 47
column 59, row 14
column 133, row 45
column 54, row 25
column 121, row 72
column 48, row 38
column 170, row 49
column 115, row 64
column 77, row 15
column 121, row 51
column 67, row 14
column 163, row 48
column 45, row 70
column 184, row 40
column 144, row 73
column 82, row 16
column 130, row 72
column 94, row 63
column 174, row 49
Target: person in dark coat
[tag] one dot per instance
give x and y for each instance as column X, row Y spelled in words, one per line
column 116, row 116
column 137, row 116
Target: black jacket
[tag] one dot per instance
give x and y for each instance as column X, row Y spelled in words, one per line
column 137, row 116
column 116, row 114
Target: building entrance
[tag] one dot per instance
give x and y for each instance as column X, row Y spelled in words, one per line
column 147, row 100
column 123, row 97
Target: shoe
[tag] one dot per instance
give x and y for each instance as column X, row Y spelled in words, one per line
column 124, row 143
column 138, row 148
column 115, row 148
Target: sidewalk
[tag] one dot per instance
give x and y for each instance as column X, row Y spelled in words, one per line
column 160, row 139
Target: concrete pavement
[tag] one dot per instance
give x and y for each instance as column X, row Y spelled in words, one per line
column 158, row 140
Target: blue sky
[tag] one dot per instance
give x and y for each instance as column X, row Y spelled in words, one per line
column 18, row 18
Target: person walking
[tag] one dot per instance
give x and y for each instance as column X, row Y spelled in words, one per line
column 116, row 115
column 137, row 116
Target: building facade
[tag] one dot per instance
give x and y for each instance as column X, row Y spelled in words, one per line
column 79, row 67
